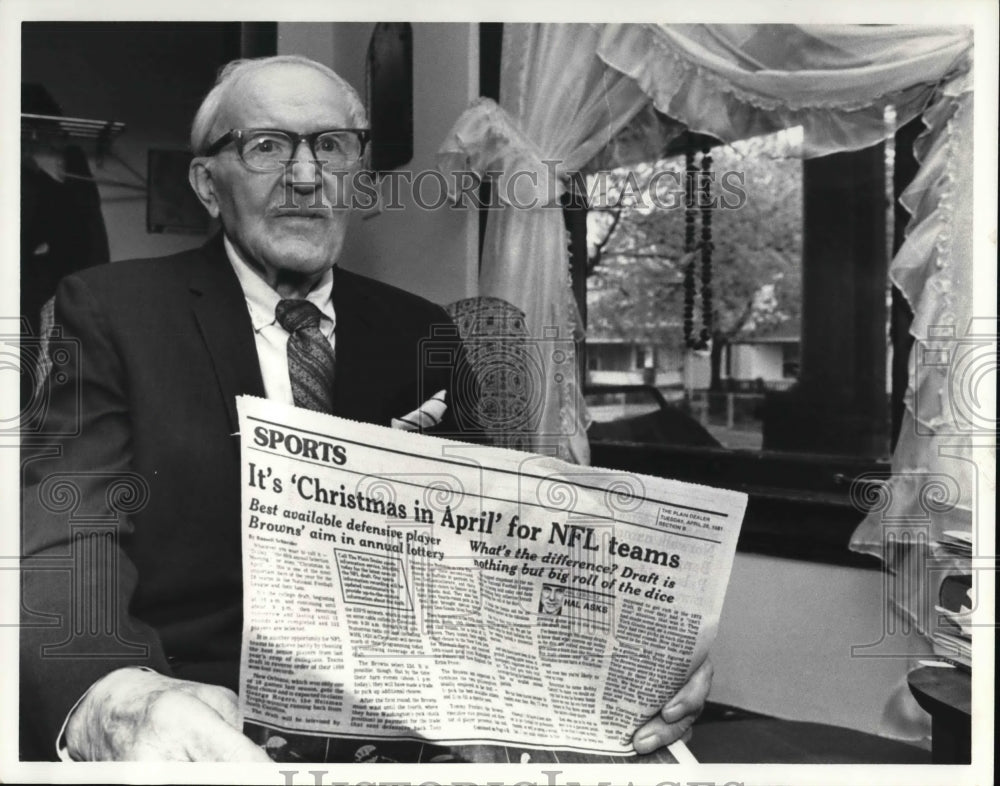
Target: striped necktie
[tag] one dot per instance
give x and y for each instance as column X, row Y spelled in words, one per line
column 311, row 359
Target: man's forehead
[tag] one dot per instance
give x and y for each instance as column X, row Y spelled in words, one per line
column 285, row 95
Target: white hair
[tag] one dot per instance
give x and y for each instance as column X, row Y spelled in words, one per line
column 229, row 74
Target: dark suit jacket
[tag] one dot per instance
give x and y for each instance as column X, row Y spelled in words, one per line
column 131, row 536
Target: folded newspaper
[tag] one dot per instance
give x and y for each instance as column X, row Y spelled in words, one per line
column 400, row 588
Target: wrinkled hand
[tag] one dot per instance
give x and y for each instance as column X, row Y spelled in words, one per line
column 675, row 720
column 137, row 715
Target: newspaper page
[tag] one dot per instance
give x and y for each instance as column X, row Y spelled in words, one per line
column 404, row 587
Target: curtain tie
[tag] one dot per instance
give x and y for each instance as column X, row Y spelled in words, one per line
column 488, row 142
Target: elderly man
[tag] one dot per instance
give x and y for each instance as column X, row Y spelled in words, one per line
column 145, row 659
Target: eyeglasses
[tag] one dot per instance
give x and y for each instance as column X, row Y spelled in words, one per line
column 269, row 150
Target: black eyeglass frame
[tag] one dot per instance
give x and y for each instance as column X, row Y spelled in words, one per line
column 239, row 135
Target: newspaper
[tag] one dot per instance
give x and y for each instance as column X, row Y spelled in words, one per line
column 404, row 587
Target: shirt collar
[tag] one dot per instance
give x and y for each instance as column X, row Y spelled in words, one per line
column 262, row 300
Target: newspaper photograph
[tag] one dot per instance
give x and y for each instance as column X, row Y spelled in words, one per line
column 401, row 587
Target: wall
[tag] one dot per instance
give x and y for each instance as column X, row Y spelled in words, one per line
column 151, row 76
column 785, row 638
column 432, row 253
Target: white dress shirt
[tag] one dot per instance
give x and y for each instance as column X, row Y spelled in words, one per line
column 270, row 337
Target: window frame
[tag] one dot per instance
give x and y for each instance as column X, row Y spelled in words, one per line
column 800, row 504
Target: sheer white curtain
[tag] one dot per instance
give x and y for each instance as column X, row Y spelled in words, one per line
column 559, row 106
column 735, row 81
column 937, row 467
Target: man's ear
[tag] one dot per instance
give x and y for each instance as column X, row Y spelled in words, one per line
column 200, row 178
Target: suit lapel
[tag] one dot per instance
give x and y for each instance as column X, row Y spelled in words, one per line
column 221, row 312
column 361, row 358
column 366, row 365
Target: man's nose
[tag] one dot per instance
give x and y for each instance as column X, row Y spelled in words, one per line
column 303, row 173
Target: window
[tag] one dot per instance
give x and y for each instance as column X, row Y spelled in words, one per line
column 637, row 232
column 791, row 398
